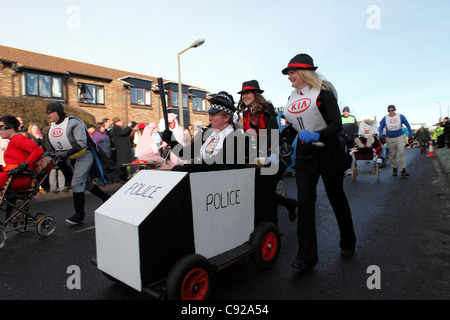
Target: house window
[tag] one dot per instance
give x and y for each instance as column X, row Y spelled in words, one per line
column 57, row 87
column 91, row 93
column 43, row 85
column 175, row 99
column 141, row 96
column 198, row 105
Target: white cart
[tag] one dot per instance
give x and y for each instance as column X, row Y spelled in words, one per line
column 167, row 233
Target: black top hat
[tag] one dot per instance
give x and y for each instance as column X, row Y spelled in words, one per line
column 251, row 85
column 223, row 101
column 300, row 61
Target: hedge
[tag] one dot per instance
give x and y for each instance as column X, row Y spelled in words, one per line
column 33, row 110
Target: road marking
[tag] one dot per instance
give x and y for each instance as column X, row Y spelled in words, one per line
column 85, row 229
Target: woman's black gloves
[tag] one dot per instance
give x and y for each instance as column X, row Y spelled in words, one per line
column 20, row 168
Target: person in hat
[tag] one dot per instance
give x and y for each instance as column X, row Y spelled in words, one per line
column 121, row 138
column 259, row 114
column 69, row 138
column 313, row 112
column 348, row 134
column 213, row 153
column 395, row 139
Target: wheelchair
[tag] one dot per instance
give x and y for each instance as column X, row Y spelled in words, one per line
column 15, row 206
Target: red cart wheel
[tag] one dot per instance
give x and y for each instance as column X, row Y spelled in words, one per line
column 191, row 278
column 266, row 239
column 195, row 285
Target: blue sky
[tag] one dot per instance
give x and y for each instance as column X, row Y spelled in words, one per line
column 375, row 52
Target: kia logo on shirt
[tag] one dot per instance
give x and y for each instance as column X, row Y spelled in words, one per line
column 393, row 120
column 58, row 132
column 300, row 105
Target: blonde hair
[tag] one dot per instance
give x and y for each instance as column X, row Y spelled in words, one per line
column 30, row 129
column 313, row 79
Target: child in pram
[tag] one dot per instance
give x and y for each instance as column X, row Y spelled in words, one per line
column 20, row 154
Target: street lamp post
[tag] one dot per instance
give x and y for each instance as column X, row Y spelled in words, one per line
column 440, row 112
column 196, row 44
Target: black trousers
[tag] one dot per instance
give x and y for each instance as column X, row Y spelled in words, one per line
column 306, row 224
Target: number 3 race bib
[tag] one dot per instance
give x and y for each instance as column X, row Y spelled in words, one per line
column 58, row 137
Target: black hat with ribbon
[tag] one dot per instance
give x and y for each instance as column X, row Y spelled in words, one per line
column 300, row 61
column 251, row 85
column 223, row 101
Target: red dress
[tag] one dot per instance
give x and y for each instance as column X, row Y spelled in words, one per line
column 19, row 149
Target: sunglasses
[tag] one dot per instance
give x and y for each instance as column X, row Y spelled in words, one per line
column 4, row 127
column 391, row 110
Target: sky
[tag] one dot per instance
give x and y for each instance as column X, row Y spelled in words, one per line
column 375, row 53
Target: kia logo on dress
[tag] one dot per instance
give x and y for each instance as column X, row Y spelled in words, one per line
column 300, row 105
column 58, row 132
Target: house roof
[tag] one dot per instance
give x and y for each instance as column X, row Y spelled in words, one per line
column 40, row 61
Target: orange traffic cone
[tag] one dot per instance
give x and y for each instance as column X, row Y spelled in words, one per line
column 430, row 151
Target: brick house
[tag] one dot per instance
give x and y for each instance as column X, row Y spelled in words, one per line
column 101, row 91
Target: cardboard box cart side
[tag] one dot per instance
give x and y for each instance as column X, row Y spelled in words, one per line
column 162, row 223
column 144, row 228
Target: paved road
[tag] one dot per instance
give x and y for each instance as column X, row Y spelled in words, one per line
column 402, row 227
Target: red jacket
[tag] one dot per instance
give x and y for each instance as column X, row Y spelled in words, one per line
column 19, row 149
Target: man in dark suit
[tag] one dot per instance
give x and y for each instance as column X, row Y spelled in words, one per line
column 120, row 136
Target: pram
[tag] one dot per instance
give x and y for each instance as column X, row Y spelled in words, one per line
column 17, row 216
column 368, row 157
